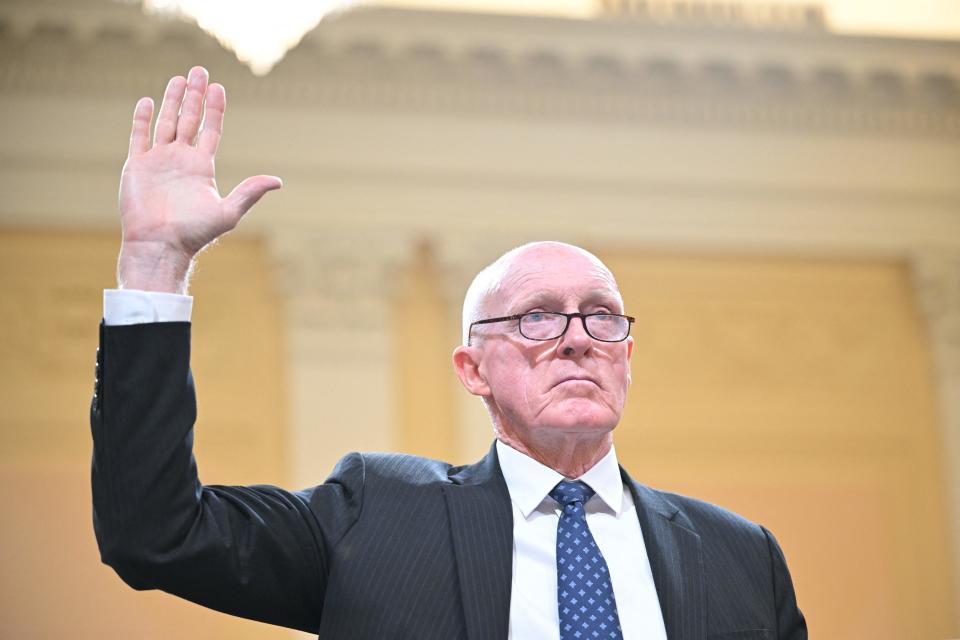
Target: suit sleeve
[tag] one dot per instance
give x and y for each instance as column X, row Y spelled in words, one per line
column 791, row 624
column 259, row 552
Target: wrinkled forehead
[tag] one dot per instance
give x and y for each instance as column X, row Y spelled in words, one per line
column 554, row 276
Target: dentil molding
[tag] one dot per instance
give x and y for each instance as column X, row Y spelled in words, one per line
column 672, row 68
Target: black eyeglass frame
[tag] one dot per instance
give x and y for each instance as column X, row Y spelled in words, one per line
column 583, row 318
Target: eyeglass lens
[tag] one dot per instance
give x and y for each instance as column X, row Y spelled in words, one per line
column 546, row 326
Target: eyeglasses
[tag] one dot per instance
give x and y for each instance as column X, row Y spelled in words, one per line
column 547, row 325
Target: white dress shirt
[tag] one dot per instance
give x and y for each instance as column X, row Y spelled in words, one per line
column 612, row 518
column 611, row 514
column 129, row 306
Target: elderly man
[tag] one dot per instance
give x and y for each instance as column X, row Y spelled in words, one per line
column 545, row 537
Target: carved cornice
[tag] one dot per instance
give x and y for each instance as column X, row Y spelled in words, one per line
column 604, row 69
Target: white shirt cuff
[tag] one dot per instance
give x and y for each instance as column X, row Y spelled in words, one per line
column 131, row 306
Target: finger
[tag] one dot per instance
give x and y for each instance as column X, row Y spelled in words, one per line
column 140, row 134
column 166, row 127
column 192, row 107
column 247, row 193
column 213, row 109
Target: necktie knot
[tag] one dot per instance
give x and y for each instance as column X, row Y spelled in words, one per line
column 568, row 492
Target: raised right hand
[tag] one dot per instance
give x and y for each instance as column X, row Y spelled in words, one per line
column 170, row 207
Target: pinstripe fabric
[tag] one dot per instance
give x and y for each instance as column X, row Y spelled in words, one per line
column 392, row 574
column 677, row 565
column 718, row 575
column 390, row 546
column 481, row 521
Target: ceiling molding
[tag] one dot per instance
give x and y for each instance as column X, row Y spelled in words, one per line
column 610, row 69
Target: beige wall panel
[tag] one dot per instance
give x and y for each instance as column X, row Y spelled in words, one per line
column 53, row 584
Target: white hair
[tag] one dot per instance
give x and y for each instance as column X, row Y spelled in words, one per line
column 486, row 285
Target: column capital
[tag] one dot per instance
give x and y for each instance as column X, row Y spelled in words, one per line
column 338, row 280
column 460, row 257
column 936, row 278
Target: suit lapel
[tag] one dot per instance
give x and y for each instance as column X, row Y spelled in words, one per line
column 481, row 523
column 673, row 548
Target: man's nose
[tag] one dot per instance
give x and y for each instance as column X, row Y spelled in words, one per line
column 575, row 341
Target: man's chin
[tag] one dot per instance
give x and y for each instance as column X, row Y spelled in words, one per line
column 582, row 417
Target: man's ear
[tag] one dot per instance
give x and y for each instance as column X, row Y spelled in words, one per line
column 629, row 355
column 466, row 362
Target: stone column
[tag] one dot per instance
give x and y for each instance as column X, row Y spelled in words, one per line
column 336, row 288
column 937, row 282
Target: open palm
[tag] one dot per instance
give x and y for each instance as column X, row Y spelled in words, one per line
column 170, row 207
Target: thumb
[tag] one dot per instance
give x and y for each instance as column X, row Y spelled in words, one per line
column 247, row 193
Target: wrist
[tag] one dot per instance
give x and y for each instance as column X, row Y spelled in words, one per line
column 153, row 266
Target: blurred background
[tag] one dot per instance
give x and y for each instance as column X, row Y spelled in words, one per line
column 777, row 187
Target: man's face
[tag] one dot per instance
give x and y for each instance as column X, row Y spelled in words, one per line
column 544, row 392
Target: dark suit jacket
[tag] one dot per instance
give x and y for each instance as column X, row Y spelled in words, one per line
column 390, row 546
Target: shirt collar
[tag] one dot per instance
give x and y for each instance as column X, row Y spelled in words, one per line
column 529, row 481
column 604, row 478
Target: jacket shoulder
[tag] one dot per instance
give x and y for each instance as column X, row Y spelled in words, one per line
column 701, row 511
column 707, row 519
column 405, row 468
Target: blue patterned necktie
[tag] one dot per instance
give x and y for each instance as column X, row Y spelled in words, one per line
column 584, row 593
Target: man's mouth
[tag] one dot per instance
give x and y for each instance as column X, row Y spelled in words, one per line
column 575, row 379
